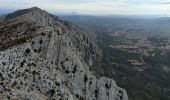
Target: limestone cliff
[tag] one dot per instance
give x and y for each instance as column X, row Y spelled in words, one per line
column 43, row 57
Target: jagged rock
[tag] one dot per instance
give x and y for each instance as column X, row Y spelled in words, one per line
column 43, row 57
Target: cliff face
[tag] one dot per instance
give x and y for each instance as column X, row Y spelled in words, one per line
column 43, row 57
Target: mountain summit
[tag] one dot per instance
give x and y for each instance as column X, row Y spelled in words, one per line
column 43, row 57
column 24, row 11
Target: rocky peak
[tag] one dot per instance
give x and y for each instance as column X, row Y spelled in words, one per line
column 32, row 15
column 23, row 25
column 23, row 12
column 45, row 58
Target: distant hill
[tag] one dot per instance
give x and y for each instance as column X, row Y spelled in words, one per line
column 5, row 11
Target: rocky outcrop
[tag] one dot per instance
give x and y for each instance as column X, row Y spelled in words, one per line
column 43, row 57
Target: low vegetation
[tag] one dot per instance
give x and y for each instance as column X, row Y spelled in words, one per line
column 16, row 34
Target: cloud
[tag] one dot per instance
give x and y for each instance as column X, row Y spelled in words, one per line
column 93, row 6
column 165, row 3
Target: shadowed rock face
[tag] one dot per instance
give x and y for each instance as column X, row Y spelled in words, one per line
column 43, row 57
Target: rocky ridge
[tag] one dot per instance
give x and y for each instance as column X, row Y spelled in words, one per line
column 43, row 57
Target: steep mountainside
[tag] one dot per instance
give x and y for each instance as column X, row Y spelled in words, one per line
column 43, row 57
column 149, row 81
column 2, row 17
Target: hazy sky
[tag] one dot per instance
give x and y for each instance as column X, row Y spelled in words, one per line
column 128, row 7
